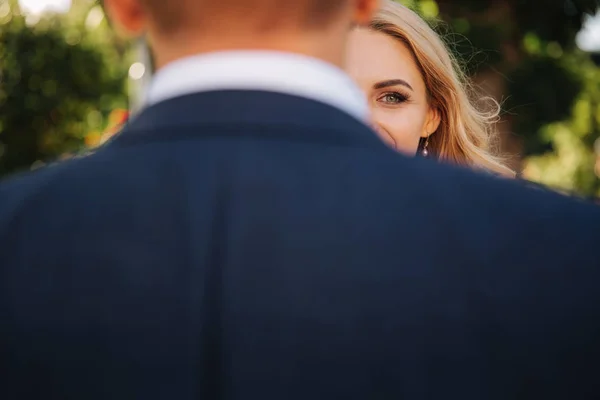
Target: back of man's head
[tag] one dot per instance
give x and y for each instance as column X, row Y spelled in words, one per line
column 262, row 15
column 231, row 24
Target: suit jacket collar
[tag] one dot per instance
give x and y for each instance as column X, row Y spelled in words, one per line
column 271, row 71
column 248, row 114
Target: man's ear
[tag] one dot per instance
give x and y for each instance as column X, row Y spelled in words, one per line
column 433, row 121
column 129, row 16
column 364, row 11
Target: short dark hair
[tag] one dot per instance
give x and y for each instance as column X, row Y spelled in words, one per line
column 171, row 14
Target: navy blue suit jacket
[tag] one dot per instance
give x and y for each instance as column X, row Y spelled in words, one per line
column 250, row 245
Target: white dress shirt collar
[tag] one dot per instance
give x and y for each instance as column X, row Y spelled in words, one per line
column 279, row 72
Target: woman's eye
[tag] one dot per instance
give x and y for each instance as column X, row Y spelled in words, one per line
column 393, row 98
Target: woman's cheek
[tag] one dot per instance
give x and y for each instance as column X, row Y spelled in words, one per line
column 383, row 134
column 397, row 130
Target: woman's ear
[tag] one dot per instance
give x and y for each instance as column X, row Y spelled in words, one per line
column 432, row 122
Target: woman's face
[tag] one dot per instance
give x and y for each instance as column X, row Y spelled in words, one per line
column 386, row 71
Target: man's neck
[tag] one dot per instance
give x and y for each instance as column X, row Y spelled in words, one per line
column 168, row 51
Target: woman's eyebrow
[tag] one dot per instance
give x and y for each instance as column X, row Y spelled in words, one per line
column 392, row 82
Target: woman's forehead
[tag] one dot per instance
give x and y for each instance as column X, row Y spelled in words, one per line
column 375, row 55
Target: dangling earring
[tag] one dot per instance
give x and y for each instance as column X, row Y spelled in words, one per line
column 425, row 152
column 422, row 148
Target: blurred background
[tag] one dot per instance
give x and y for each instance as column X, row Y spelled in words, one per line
column 67, row 81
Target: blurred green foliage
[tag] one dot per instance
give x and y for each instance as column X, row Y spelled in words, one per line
column 59, row 78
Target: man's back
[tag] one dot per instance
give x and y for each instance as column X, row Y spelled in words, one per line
column 276, row 249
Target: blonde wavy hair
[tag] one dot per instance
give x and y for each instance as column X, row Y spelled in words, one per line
column 466, row 134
